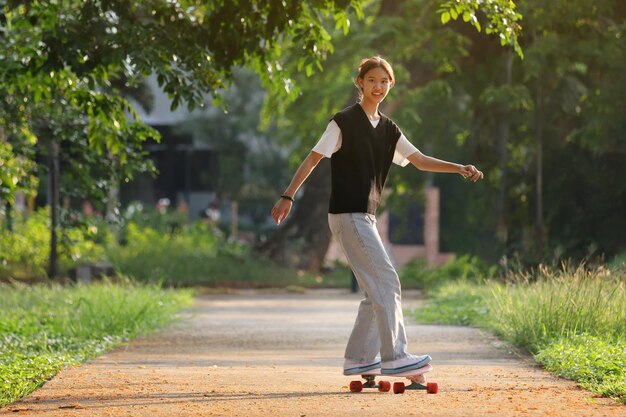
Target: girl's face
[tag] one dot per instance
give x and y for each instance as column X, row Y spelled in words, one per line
column 375, row 85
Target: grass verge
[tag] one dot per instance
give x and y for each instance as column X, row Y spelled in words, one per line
column 573, row 322
column 45, row 328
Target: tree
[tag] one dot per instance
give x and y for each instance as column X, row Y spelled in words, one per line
column 575, row 64
column 547, row 130
column 248, row 157
column 542, row 127
column 399, row 30
column 64, row 58
column 544, row 132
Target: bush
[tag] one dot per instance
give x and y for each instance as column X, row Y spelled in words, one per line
column 156, row 247
column 153, row 256
column 25, row 251
column 417, row 274
column 618, row 264
column 458, row 302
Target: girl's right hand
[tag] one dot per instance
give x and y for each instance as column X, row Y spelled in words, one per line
column 281, row 210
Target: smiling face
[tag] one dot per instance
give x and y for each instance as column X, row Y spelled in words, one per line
column 375, row 85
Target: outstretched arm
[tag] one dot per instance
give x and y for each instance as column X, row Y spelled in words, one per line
column 428, row 163
column 283, row 206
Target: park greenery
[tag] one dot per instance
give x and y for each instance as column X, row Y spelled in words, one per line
column 533, row 93
column 572, row 320
column 67, row 69
column 47, row 327
column 157, row 248
column 547, row 130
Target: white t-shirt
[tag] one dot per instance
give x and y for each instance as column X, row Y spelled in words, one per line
column 330, row 142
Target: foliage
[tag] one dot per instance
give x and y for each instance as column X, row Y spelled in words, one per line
column 594, row 362
column 251, row 161
column 17, row 173
column 45, row 328
column 67, row 65
column 197, row 254
column 455, row 302
column 572, row 320
column 464, row 268
column 618, row 263
column 502, row 19
column 162, row 220
column 24, row 251
column 156, row 248
column 153, row 256
column 460, row 97
column 324, row 93
column 422, row 41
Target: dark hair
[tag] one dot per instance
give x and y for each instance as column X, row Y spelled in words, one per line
column 371, row 63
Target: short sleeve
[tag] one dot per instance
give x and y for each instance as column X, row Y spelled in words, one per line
column 330, row 142
column 404, row 149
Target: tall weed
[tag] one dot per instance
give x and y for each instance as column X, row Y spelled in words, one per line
column 533, row 310
column 572, row 320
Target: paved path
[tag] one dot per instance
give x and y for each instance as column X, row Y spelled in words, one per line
column 260, row 354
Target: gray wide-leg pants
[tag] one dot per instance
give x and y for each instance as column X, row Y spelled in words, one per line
column 379, row 325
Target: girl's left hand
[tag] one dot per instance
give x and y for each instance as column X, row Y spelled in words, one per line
column 471, row 172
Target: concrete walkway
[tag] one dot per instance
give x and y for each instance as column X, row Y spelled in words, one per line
column 259, row 354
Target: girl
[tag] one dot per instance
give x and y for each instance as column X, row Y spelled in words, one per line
column 362, row 143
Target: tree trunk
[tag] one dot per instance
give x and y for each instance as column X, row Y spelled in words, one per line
column 112, row 209
column 303, row 239
column 8, row 209
column 539, row 225
column 504, row 123
column 53, row 202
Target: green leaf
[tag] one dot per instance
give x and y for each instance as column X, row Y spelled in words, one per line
column 445, row 17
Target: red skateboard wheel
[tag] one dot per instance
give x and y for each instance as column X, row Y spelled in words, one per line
column 432, row 388
column 384, row 386
column 398, row 387
column 356, row 386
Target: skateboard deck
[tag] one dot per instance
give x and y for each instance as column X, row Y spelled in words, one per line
column 416, row 376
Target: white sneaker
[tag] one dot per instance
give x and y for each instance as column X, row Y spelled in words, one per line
column 408, row 363
column 357, row 368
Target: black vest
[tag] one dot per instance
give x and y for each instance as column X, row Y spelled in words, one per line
column 360, row 166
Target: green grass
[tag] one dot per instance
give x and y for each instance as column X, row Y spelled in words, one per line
column 595, row 363
column 45, row 328
column 460, row 302
column 418, row 274
column 572, row 321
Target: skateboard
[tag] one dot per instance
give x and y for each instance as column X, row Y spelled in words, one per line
column 416, row 376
